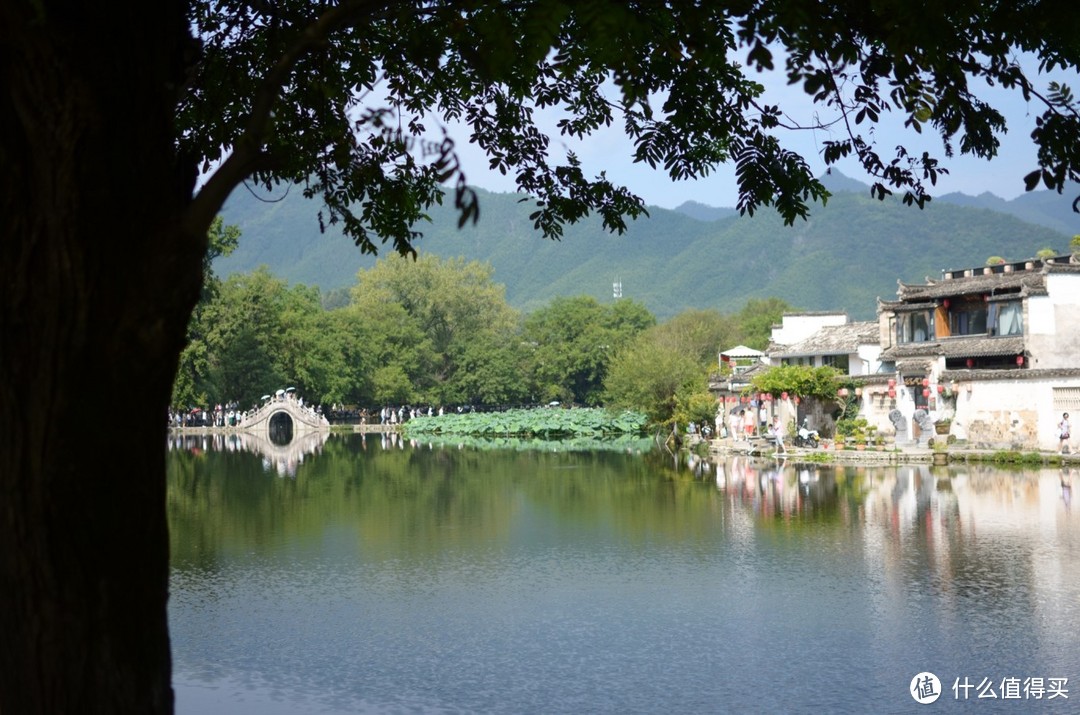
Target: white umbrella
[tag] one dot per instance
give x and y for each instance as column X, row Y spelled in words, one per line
column 265, row 397
column 280, row 392
column 290, row 389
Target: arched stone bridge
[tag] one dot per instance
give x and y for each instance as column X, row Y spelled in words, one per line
column 284, row 412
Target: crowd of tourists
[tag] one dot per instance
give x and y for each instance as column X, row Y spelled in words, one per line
column 220, row 415
column 387, row 415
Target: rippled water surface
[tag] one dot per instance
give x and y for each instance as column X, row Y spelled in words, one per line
column 366, row 577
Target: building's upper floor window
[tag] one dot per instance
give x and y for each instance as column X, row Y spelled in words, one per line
column 968, row 318
column 1007, row 318
column 915, row 327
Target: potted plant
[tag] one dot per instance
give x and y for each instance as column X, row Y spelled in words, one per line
column 943, row 426
column 871, row 436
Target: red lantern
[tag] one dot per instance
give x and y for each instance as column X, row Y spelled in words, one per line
column 926, row 382
column 892, row 383
column 940, row 389
column 926, row 392
column 892, row 392
column 945, row 302
column 970, row 362
column 1019, row 359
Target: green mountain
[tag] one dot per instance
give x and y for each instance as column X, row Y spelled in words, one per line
column 1043, row 208
column 850, row 252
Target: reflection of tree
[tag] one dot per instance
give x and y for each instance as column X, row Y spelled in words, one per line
column 421, row 502
column 418, row 504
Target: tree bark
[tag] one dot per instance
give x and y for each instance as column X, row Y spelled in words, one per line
column 100, row 276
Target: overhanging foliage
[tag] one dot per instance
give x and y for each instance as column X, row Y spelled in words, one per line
column 798, row 380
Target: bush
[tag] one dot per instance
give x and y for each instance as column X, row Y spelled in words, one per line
column 854, row 428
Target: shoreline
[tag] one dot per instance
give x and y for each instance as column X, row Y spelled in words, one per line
column 912, row 454
column 346, row 428
column 762, row 448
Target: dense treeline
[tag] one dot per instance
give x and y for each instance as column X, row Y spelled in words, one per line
column 440, row 332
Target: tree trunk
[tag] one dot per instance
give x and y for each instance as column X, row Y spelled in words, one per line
column 99, row 279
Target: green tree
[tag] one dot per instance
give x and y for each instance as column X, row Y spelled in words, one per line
column 573, row 340
column 647, row 376
column 190, row 387
column 491, row 372
column 397, row 355
column 246, row 337
column 701, row 334
column 347, row 100
column 663, row 372
column 453, row 303
column 312, row 355
column 694, row 403
column 349, row 338
column 757, row 318
column 243, row 368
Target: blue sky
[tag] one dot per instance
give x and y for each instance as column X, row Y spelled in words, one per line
column 610, row 151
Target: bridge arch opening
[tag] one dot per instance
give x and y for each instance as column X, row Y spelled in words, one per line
column 280, row 428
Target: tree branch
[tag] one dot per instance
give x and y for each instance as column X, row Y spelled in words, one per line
column 247, row 155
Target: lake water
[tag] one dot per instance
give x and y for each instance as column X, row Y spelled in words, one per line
column 357, row 575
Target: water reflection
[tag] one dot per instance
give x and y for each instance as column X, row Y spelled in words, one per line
column 386, row 577
column 283, row 457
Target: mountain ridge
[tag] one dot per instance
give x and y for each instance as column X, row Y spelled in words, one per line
column 847, row 254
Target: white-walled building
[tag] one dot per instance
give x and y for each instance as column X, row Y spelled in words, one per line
column 853, row 348
column 796, row 327
column 994, row 349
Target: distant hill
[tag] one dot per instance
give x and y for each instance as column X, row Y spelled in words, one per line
column 701, row 212
column 846, row 255
column 1043, row 208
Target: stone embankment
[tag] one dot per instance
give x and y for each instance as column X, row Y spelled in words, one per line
column 760, row 446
